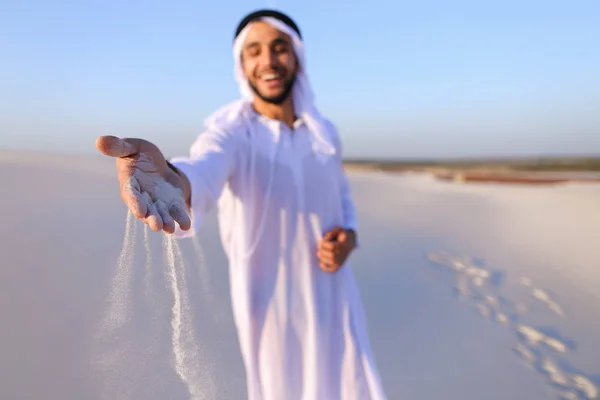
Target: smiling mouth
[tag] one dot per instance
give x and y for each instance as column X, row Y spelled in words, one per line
column 271, row 78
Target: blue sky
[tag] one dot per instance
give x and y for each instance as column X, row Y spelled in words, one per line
column 400, row 79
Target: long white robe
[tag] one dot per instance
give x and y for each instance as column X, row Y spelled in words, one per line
column 302, row 331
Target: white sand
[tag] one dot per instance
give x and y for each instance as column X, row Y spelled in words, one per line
column 472, row 291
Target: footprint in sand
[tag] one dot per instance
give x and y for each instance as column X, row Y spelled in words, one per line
column 526, row 354
column 543, row 296
column 573, row 386
column 531, row 351
column 471, row 282
column 534, row 337
column 586, row 386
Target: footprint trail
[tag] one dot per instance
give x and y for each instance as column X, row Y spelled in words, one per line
column 538, row 350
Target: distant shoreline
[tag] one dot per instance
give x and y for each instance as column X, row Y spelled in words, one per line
column 548, row 170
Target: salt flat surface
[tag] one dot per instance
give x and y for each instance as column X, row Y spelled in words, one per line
column 471, row 291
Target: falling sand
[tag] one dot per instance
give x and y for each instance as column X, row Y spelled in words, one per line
column 115, row 347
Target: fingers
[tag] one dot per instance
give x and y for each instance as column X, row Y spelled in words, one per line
column 168, row 223
column 143, row 207
column 161, row 217
column 327, row 256
column 331, row 256
column 115, row 147
column 179, row 213
column 153, row 217
column 328, row 246
column 329, row 267
column 132, row 197
column 332, row 234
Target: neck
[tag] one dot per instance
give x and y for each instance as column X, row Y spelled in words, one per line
column 282, row 112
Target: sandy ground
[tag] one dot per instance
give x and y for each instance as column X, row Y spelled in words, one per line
column 476, row 291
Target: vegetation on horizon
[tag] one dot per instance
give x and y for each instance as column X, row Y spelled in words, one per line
column 522, row 164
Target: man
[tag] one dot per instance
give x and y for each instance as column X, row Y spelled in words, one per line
column 273, row 166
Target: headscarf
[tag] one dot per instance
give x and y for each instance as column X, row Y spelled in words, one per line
column 302, row 94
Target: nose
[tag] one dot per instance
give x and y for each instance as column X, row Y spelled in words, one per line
column 268, row 58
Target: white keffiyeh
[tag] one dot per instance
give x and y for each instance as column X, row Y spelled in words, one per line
column 302, row 94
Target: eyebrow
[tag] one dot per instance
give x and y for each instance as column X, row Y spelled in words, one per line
column 280, row 40
column 277, row 40
column 253, row 44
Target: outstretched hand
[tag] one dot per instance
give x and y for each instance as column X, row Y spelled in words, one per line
column 153, row 192
column 335, row 247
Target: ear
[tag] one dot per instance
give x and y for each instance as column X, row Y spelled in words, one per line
column 296, row 62
column 242, row 65
column 297, row 67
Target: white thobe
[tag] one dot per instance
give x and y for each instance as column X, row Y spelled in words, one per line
column 302, row 331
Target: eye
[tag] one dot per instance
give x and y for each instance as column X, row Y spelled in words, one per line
column 252, row 51
column 281, row 48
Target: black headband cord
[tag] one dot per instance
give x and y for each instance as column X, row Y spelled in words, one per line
column 266, row 13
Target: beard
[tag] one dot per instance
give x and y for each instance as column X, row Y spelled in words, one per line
column 280, row 98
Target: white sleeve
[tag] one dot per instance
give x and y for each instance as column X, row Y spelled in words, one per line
column 208, row 167
column 348, row 207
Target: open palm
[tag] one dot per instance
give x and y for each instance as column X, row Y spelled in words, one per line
column 152, row 191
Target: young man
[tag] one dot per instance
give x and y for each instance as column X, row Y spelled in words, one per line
column 273, row 166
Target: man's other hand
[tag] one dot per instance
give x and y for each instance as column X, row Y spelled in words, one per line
column 335, row 247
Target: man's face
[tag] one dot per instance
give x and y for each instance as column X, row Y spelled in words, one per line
column 269, row 62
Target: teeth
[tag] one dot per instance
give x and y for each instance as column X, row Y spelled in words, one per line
column 270, row 77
